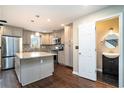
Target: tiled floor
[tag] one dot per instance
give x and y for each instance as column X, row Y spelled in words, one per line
column 107, row 78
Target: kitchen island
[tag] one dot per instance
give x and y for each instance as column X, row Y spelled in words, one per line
column 33, row 66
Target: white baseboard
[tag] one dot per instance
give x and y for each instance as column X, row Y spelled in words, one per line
column 100, row 70
column 76, row 73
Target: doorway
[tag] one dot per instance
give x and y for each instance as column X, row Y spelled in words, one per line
column 107, row 49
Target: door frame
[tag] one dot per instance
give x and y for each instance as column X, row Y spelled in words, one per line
column 121, row 45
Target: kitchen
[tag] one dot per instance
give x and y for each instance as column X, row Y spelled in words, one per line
column 53, row 46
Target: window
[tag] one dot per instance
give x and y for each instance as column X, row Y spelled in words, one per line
column 35, row 41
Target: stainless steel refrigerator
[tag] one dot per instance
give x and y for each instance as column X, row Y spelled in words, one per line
column 10, row 45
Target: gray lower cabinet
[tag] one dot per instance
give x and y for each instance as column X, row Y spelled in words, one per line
column 33, row 69
column 61, row 57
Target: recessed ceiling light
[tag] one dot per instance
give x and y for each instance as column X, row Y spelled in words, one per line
column 32, row 36
column 48, row 20
column 62, row 25
column 37, row 34
column 32, row 20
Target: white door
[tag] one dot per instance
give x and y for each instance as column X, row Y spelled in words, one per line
column 87, row 53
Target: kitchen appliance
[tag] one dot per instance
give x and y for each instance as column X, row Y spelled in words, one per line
column 56, row 40
column 10, row 45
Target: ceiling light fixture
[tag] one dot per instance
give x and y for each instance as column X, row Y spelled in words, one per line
column 37, row 34
column 37, row 16
column 3, row 22
column 62, row 25
column 32, row 21
column 48, row 20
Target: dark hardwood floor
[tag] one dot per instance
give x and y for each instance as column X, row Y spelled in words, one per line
column 8, row 79
column 62, row 78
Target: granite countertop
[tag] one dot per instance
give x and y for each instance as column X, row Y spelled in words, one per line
column 28, row 55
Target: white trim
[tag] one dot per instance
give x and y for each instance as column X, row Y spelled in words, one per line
column 76, row 73
column 109, row 17
column 98, row 69
column 121, row 45
column 121, row 50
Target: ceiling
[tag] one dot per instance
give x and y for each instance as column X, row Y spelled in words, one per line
column 21, row 15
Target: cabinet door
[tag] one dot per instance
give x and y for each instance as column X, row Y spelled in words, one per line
column 46, row 67
column 110, row 65
column 18, row 68
column 62, row 37
column 1, row 33
column 17, row 32
column 24, row 36
column 115, row 66
column 51, row 38
column 45, row 38
column 107, row 65
column 7, row 30
column 12, row 31
column 27, row 37
column 61, row 57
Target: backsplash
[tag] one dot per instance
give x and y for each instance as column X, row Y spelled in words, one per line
column 27, row 48
column 49, row 48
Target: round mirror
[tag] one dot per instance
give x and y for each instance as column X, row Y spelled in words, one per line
column 111, row 40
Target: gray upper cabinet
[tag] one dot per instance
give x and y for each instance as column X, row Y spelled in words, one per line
column 27, row 36
column 12, row 31
column 45, row 39
column 17, row 32
column 1, row 32
column 7, row 30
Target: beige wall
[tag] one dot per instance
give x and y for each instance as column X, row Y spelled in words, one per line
column 92, row 18
column 102, row 29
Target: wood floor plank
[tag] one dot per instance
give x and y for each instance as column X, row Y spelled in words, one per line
column 62, row 78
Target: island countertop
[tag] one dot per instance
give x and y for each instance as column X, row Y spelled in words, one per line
column 27, row 55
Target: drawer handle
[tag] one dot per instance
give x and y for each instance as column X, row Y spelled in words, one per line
column 41, row 61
